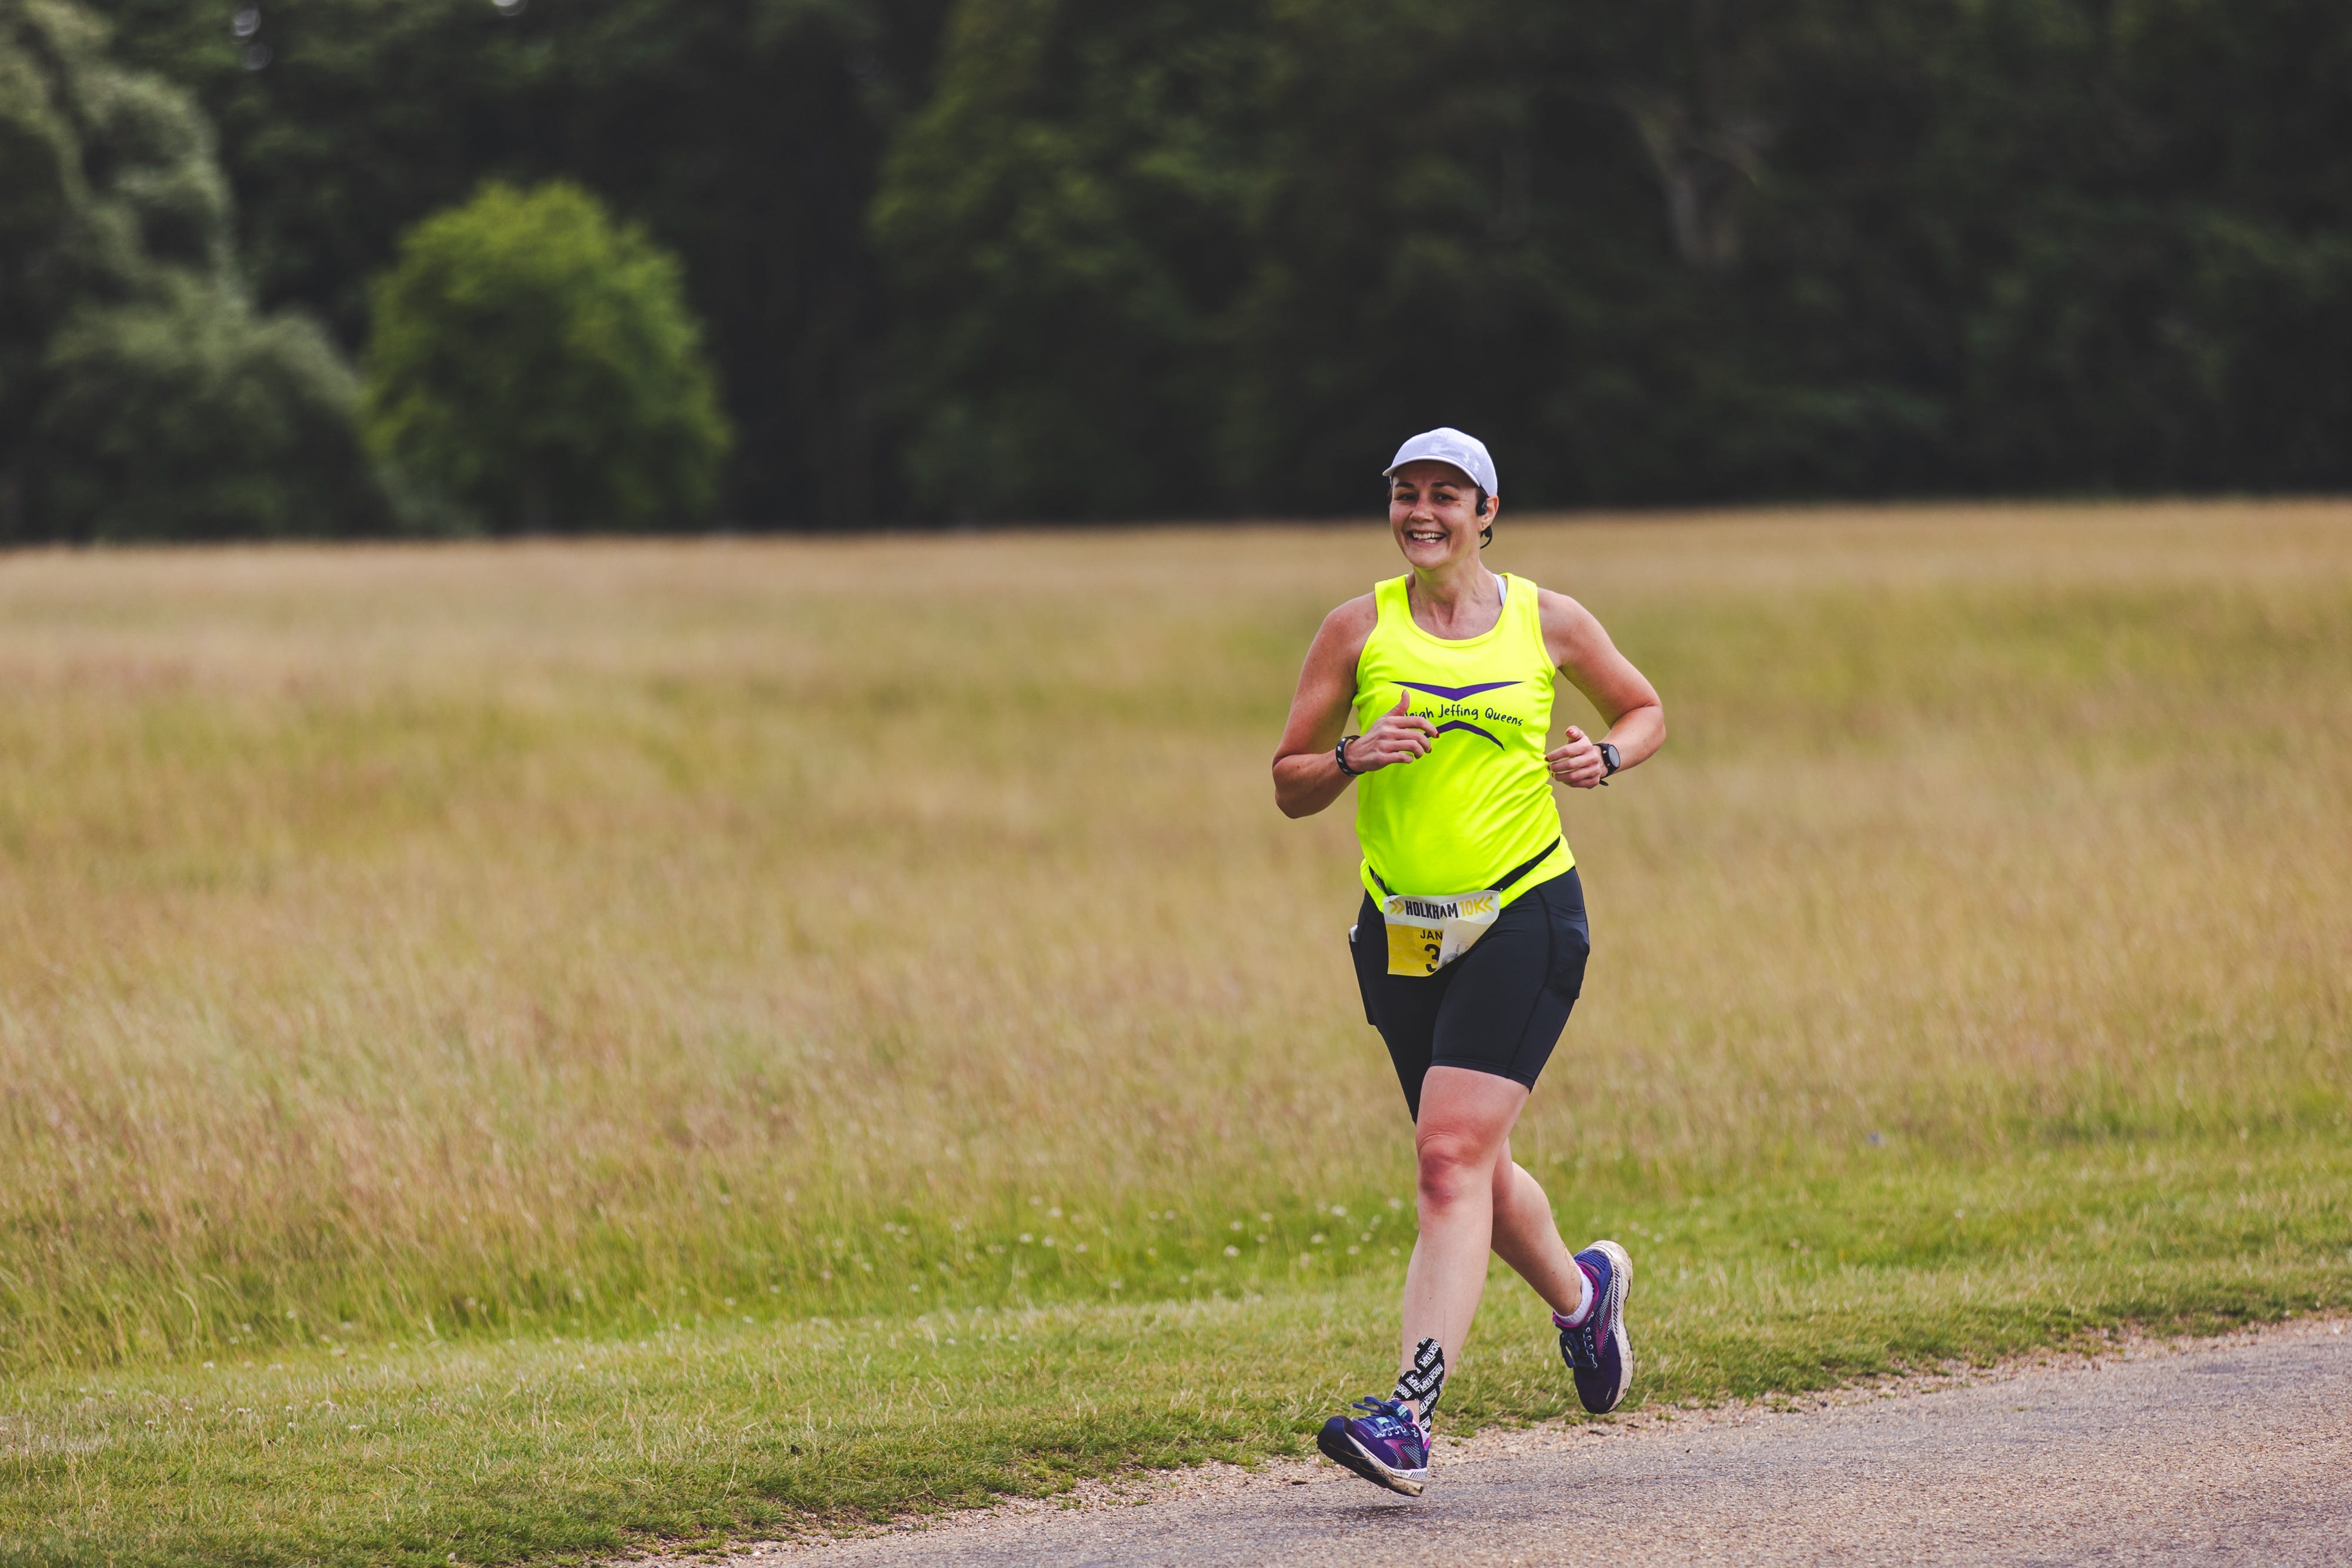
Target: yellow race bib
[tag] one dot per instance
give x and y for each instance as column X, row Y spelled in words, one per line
column 1427, row 934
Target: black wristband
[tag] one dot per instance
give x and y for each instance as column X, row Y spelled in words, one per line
column 1339, row 755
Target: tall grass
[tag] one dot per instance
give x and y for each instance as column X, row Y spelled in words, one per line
column 487, row 939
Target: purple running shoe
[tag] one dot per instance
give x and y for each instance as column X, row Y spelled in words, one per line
column 1387, row 1448
column 1598, row 1350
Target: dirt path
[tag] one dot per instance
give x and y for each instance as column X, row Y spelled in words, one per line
column 2236, row 1450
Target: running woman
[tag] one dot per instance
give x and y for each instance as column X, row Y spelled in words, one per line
column 1432, row 693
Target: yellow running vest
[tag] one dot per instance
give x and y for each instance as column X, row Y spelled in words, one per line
column 1480, row 803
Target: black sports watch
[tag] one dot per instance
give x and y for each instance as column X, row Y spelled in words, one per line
column 1610, row 761
column 1339, row 755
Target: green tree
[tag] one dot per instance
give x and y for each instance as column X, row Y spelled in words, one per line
column 1105, row 258
column 535, row 363
column 141, row 394
column 1157, row 256
column 743, row 134
column 192, row 418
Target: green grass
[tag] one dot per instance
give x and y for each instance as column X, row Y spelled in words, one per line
column 421, row 954
column 717, row 1428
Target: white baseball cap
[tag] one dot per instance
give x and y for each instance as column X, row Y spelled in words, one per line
column 1447, row 445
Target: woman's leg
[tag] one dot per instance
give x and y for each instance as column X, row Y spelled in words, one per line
column 1528, row 1239
column 1463, row 1133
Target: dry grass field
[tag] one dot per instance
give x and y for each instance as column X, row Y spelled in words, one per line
column 457, row 944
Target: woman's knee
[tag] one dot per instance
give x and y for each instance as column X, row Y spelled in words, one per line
column 1454, row 1166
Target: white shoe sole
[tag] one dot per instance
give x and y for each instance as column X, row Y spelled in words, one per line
column 1621, row 1285
column 1409, row 1482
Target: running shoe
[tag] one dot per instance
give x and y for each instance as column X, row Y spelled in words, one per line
column 1387, row 1448
column 1597, row 1350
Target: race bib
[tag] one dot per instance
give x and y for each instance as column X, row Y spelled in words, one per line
column 1427, row 934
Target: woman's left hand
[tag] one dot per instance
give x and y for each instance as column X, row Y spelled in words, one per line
column 1576, row 762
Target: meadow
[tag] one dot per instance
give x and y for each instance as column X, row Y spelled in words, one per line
column 509, row 1050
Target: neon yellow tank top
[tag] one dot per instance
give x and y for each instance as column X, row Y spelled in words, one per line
column 1480, row 803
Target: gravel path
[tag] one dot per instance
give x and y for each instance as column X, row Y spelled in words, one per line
column 2218, row 1452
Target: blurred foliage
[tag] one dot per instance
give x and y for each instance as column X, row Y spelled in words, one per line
column 141, row 395
column 536, row 365
column 742, row 133
column 192, row 418
column 1221, row 256
column 996, row 259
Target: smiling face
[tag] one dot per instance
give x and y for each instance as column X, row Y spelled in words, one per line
column 1433, row 514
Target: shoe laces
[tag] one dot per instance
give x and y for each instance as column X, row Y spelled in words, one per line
column 1399, row 1412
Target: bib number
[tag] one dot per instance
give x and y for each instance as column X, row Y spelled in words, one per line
column 1427, row 934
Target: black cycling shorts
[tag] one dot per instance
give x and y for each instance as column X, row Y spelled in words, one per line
column 1497, row 1008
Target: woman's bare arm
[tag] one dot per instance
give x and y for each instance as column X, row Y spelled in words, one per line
column 1636, row 720
column 1306, row 776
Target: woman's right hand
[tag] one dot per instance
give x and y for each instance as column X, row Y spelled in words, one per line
column 1396, row 737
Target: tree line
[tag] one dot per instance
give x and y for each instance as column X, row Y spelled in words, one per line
column 1003, row 259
